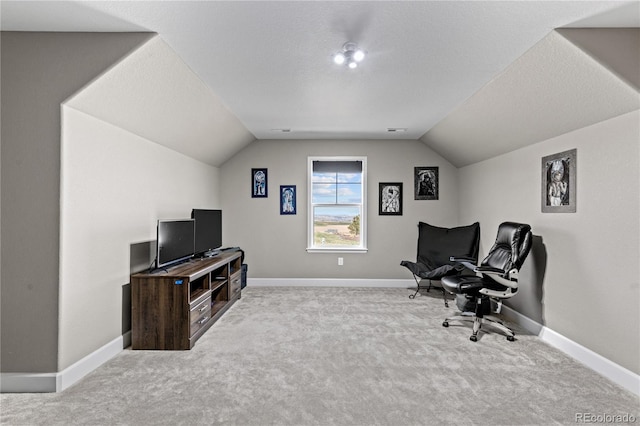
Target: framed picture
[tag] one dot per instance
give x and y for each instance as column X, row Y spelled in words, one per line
column 559, row 182
column 259, row 183
column 390, row 198
column 287, row 199
column 426, row 182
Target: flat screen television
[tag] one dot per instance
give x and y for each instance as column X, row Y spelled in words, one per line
column 176, row 239
column 208, row 231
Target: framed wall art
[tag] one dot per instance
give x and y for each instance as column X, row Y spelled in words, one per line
column 259, row 183
column 390, row 198
column 559, row 182
column 426, row 183
column 287, row 199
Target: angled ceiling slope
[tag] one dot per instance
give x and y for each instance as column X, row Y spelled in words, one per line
column 618, row 49
column 154, row 94
column 554, row 88
column 270, row 61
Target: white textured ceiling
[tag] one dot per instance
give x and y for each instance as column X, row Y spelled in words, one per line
column 270, row 61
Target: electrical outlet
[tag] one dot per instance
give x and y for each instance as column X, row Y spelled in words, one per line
column 340, row 261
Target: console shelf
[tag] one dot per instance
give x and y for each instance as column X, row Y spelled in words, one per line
column 171, row 309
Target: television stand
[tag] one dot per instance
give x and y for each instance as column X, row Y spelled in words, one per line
column 173, row 310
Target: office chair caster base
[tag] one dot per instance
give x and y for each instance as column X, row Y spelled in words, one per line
column 473, row 338
column 445, row 324
column 511, row 338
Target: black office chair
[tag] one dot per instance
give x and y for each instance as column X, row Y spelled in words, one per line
column 497, row 278
column 436, row 246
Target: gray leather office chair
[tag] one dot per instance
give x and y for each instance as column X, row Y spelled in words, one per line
column 496, row 279
column 436, row 246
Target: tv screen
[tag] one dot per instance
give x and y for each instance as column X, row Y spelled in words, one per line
column 175, row 241
column 208, row 230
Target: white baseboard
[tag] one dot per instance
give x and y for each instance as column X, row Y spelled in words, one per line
column 329, row 282
column 57, row 382
column 607, row 368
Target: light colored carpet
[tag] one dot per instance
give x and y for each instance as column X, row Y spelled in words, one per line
column 333, row 356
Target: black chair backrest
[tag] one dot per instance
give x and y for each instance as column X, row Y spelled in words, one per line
column 511, row 247
column 436, row 245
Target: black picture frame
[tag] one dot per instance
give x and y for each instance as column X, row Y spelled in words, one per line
column 259, row 183
column 390, row 198
column 288, row 204
column 426, row 183
column 559, row 182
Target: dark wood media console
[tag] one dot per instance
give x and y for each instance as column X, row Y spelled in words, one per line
column 172, row 309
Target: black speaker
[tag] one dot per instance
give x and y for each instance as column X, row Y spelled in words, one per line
column 243, row 280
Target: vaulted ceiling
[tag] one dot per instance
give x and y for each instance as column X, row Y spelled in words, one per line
column 470, row 79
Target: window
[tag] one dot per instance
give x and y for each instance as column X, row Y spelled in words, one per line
column 337, row 204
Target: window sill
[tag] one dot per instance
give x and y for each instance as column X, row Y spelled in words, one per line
column 336, row 250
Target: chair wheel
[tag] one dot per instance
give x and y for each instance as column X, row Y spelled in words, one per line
column 473, row 338
column 445, row 324
column 511, row 338
column 412, row 296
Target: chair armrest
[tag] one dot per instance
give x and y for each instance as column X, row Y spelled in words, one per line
column 462, row 258
column 467, row 262
column 506, row 294
column 509, row 279
column 490, row 270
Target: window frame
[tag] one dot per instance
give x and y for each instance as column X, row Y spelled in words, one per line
column 311, row 248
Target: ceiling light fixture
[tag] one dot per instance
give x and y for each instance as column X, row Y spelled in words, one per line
column 350, row 55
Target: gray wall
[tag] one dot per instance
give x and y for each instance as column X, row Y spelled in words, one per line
column 39, row 71
column 115, row 187
column 275, row 245
column 581, row 279
column 80, row 197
